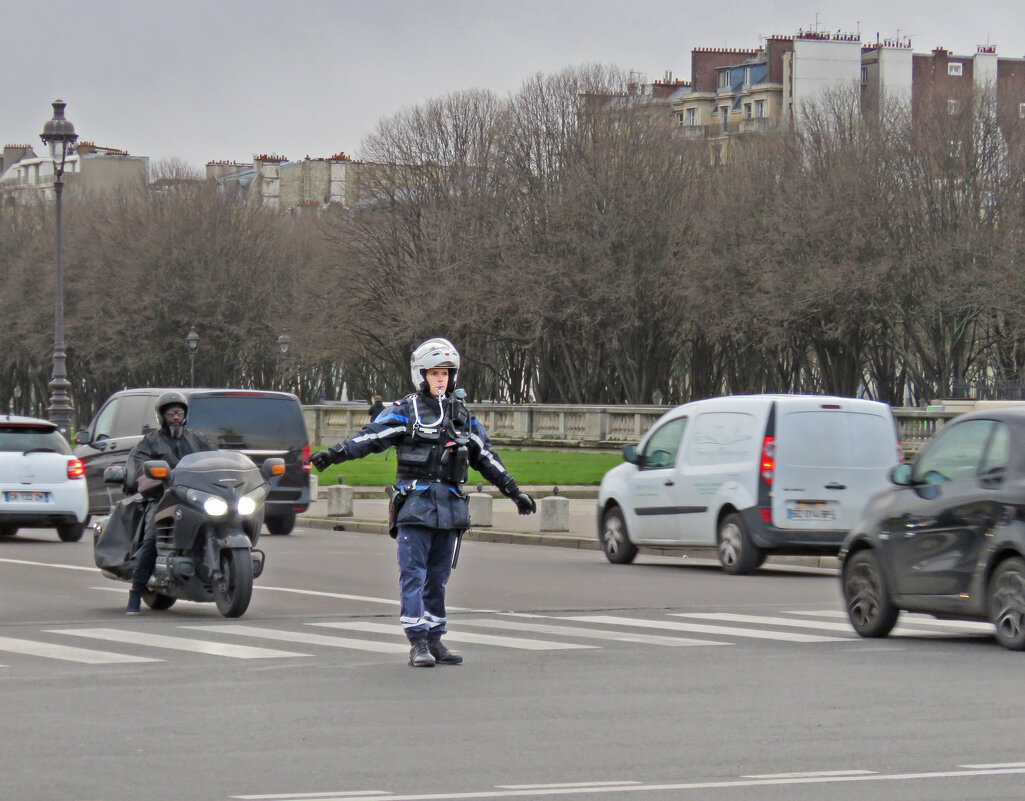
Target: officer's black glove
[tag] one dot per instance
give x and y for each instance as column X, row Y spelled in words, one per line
column 322, row 459
column 524, row 503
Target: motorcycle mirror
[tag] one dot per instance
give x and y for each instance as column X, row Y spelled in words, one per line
column 158, row 469
column 272, row 467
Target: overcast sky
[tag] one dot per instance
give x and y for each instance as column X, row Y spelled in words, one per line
column 207, row 80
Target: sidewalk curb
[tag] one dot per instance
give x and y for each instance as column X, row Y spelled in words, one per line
column 555, row 539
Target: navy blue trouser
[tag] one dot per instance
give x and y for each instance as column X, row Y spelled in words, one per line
column 146, row 556
column 425, row 563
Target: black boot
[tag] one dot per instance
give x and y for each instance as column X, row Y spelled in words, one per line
column 419, row 656
column 134, row 602
column 441, row 654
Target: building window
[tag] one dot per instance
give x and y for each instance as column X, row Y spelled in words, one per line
column 747, row 111
column 692, row 116
column 864, row 76
column 724, row 117
column 955, row 68
column 760, row 108
column 747, row 76
column 953, row 106
column 724, row 79
column 680, row 119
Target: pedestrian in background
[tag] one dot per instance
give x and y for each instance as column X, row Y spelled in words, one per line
column 376, row 407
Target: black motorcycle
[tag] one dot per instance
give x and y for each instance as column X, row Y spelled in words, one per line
column 207, row 521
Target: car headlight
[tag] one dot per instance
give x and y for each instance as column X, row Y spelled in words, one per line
column 248, row 503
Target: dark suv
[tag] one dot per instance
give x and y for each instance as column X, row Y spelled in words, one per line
column 257, row 423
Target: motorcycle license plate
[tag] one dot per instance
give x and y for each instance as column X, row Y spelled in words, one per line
column 810, row 511
column 32, row 496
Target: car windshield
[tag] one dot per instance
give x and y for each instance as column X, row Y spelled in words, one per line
column 249, row 422
column 22, row 439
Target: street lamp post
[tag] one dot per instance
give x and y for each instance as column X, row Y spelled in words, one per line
column 192, row 340
column 59, row 136
column 283, row 342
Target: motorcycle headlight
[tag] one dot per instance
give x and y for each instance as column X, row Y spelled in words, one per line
column 248, row 503
column 212, row 505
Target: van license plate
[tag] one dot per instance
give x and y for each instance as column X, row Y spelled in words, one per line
column 25, row 495
column 810, row 511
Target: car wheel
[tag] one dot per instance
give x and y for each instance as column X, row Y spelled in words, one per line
column 737, row 552
column 158, row 601
column 280, row 524
column 615, row 541
column 8, row 531
column 1007, row 603
column 869, row 608
column 70, row 532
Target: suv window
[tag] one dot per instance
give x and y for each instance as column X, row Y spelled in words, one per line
column 133, row 413
column 248, row 422
column 27, row 438
column 104, row 428
column 663, row 445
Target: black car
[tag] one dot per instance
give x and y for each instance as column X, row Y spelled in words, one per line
column 948, row 538
column 259, row 424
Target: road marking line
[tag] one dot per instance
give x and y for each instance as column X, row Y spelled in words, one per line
column 700, row 628
column 768, row 620
column 977, row 626
column 68, row 653
column 304, row 638
column 460, row 636
column 595, row 634
column 300, row 796
column 811, row 773
column 177, row 643
column 345, row 597
column 995, row 765
column 47, row 564
column 677, row 787
column 580, row 785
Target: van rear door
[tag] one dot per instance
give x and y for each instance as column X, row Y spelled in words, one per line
column 831, row 455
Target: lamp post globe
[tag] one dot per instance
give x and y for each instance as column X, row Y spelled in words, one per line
column 192, row 340
column 283, row 342
column 59, row 136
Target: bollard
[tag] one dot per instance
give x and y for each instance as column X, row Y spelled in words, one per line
column 314, row 488
column 480, row 508
column 339, row 501
column 554, row 513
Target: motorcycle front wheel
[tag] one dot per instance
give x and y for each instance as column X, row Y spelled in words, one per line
column 234, row 589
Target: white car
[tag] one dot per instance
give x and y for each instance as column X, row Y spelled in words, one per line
column 42, row 483
column 748, row 475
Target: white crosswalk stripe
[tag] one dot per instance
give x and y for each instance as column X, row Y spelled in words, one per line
column 67, row 653
column 926, row 622
column 177, row 643
column 576, row 631
column 462, row 636
column 305, row 638
column 702, row 628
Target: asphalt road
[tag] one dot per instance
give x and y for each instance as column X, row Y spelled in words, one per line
column 665, row 679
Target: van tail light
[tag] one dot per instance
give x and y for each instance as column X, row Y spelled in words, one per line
column 766, row 514
column 768, row 459
column 76, row 469
column 306, row 458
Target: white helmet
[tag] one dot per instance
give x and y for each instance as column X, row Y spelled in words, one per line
column 435, row 352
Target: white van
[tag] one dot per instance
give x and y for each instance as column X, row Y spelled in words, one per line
column 749, row 475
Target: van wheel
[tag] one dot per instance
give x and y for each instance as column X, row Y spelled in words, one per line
column 615, row 541
column 869, row 608
column 737, row 552
column 8, row 531
column 280, row 524
column 1007, row 603
column 70, row 532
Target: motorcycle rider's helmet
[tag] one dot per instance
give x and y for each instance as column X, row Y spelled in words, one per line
column 167, row 399
column 435, row 352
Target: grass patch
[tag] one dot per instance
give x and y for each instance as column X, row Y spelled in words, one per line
column 528, row 467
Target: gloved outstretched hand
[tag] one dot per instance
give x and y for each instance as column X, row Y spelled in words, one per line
column 524, row 503
column 323, row 459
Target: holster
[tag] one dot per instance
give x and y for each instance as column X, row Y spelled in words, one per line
column 398, row 498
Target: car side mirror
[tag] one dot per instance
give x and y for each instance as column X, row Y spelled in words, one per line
column 630, row 454
column 901, row 475
column 82, row 438
column 114, row 474
column 272, row 467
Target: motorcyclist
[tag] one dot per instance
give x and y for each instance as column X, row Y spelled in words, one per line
column 436, row 438
column 169, row 443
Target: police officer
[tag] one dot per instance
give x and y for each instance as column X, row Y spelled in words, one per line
column 169, row 443
column 436, row 439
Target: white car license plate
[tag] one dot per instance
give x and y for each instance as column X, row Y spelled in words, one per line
column 810, row 511
column 20, row 496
